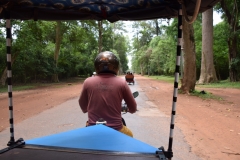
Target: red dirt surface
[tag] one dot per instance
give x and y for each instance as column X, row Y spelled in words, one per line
column 211, row 127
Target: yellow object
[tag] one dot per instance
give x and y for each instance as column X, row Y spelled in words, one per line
column 126, row 131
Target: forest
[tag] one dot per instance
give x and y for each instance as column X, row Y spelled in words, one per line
column 48, row 51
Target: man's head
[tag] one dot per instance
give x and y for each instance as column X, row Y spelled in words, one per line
column 106, row 62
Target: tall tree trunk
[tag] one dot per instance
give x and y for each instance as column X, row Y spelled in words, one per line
column 4, row 74
column 4, row 77
column 99, row 36
column 158, row 66
column 208, row 73
column 157, row 26
column 59, row 34
column 189, row 74
column 233, row 53
column 142, row 70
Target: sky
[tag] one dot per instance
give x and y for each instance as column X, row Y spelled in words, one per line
column 216, row 20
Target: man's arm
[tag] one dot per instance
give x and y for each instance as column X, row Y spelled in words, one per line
column 83, row 100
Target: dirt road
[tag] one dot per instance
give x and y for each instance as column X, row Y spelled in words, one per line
column 211, row 127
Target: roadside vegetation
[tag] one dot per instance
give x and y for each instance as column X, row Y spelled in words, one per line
column 18, row 88
column 200, row 92
column 152, row 49
column 29, row 86
column 219, row 84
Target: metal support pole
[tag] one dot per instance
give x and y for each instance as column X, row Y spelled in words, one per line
column 9, row 79
column 175, row 92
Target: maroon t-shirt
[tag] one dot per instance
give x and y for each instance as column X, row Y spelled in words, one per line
column 102, row 96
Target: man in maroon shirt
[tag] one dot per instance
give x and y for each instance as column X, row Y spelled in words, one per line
column 102, row 94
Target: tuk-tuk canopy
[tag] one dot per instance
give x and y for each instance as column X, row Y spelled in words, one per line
column 111, row 10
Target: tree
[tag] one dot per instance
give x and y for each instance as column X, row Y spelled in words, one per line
column 145, row 33
column 230, row 10
column 208, row 73
column 162, row 59
column 58, row 40
column 220, row 48
column 4, row 74
column 99, row 36
column 121, row 47
column 189, row 76
column 68, row 52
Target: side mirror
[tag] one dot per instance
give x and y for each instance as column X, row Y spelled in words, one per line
column 135, row 94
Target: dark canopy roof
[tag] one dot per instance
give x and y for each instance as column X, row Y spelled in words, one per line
column 111, row 10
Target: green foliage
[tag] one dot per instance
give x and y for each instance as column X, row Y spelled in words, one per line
column 121, row 47
column 31, row 60
column 154, row 54
column 221, row 84
column 33, row 49
column 153, row 48
column 163, row 55
column 220, row 48
column 163, row 50
column 231, row 15
column 163, row 47
column 145, row 32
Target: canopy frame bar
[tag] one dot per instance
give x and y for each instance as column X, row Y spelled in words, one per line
column 9, row 78
column 169, row 152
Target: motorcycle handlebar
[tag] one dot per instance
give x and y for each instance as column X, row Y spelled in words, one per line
column 124, row 108
column 124, row 105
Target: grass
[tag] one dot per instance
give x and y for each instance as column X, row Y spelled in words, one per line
column 163, row 78
column 221, row 84
column 206, row 95
column 17, row 88
column 28, row 86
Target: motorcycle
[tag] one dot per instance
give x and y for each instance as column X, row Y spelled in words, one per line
column 124, row 111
